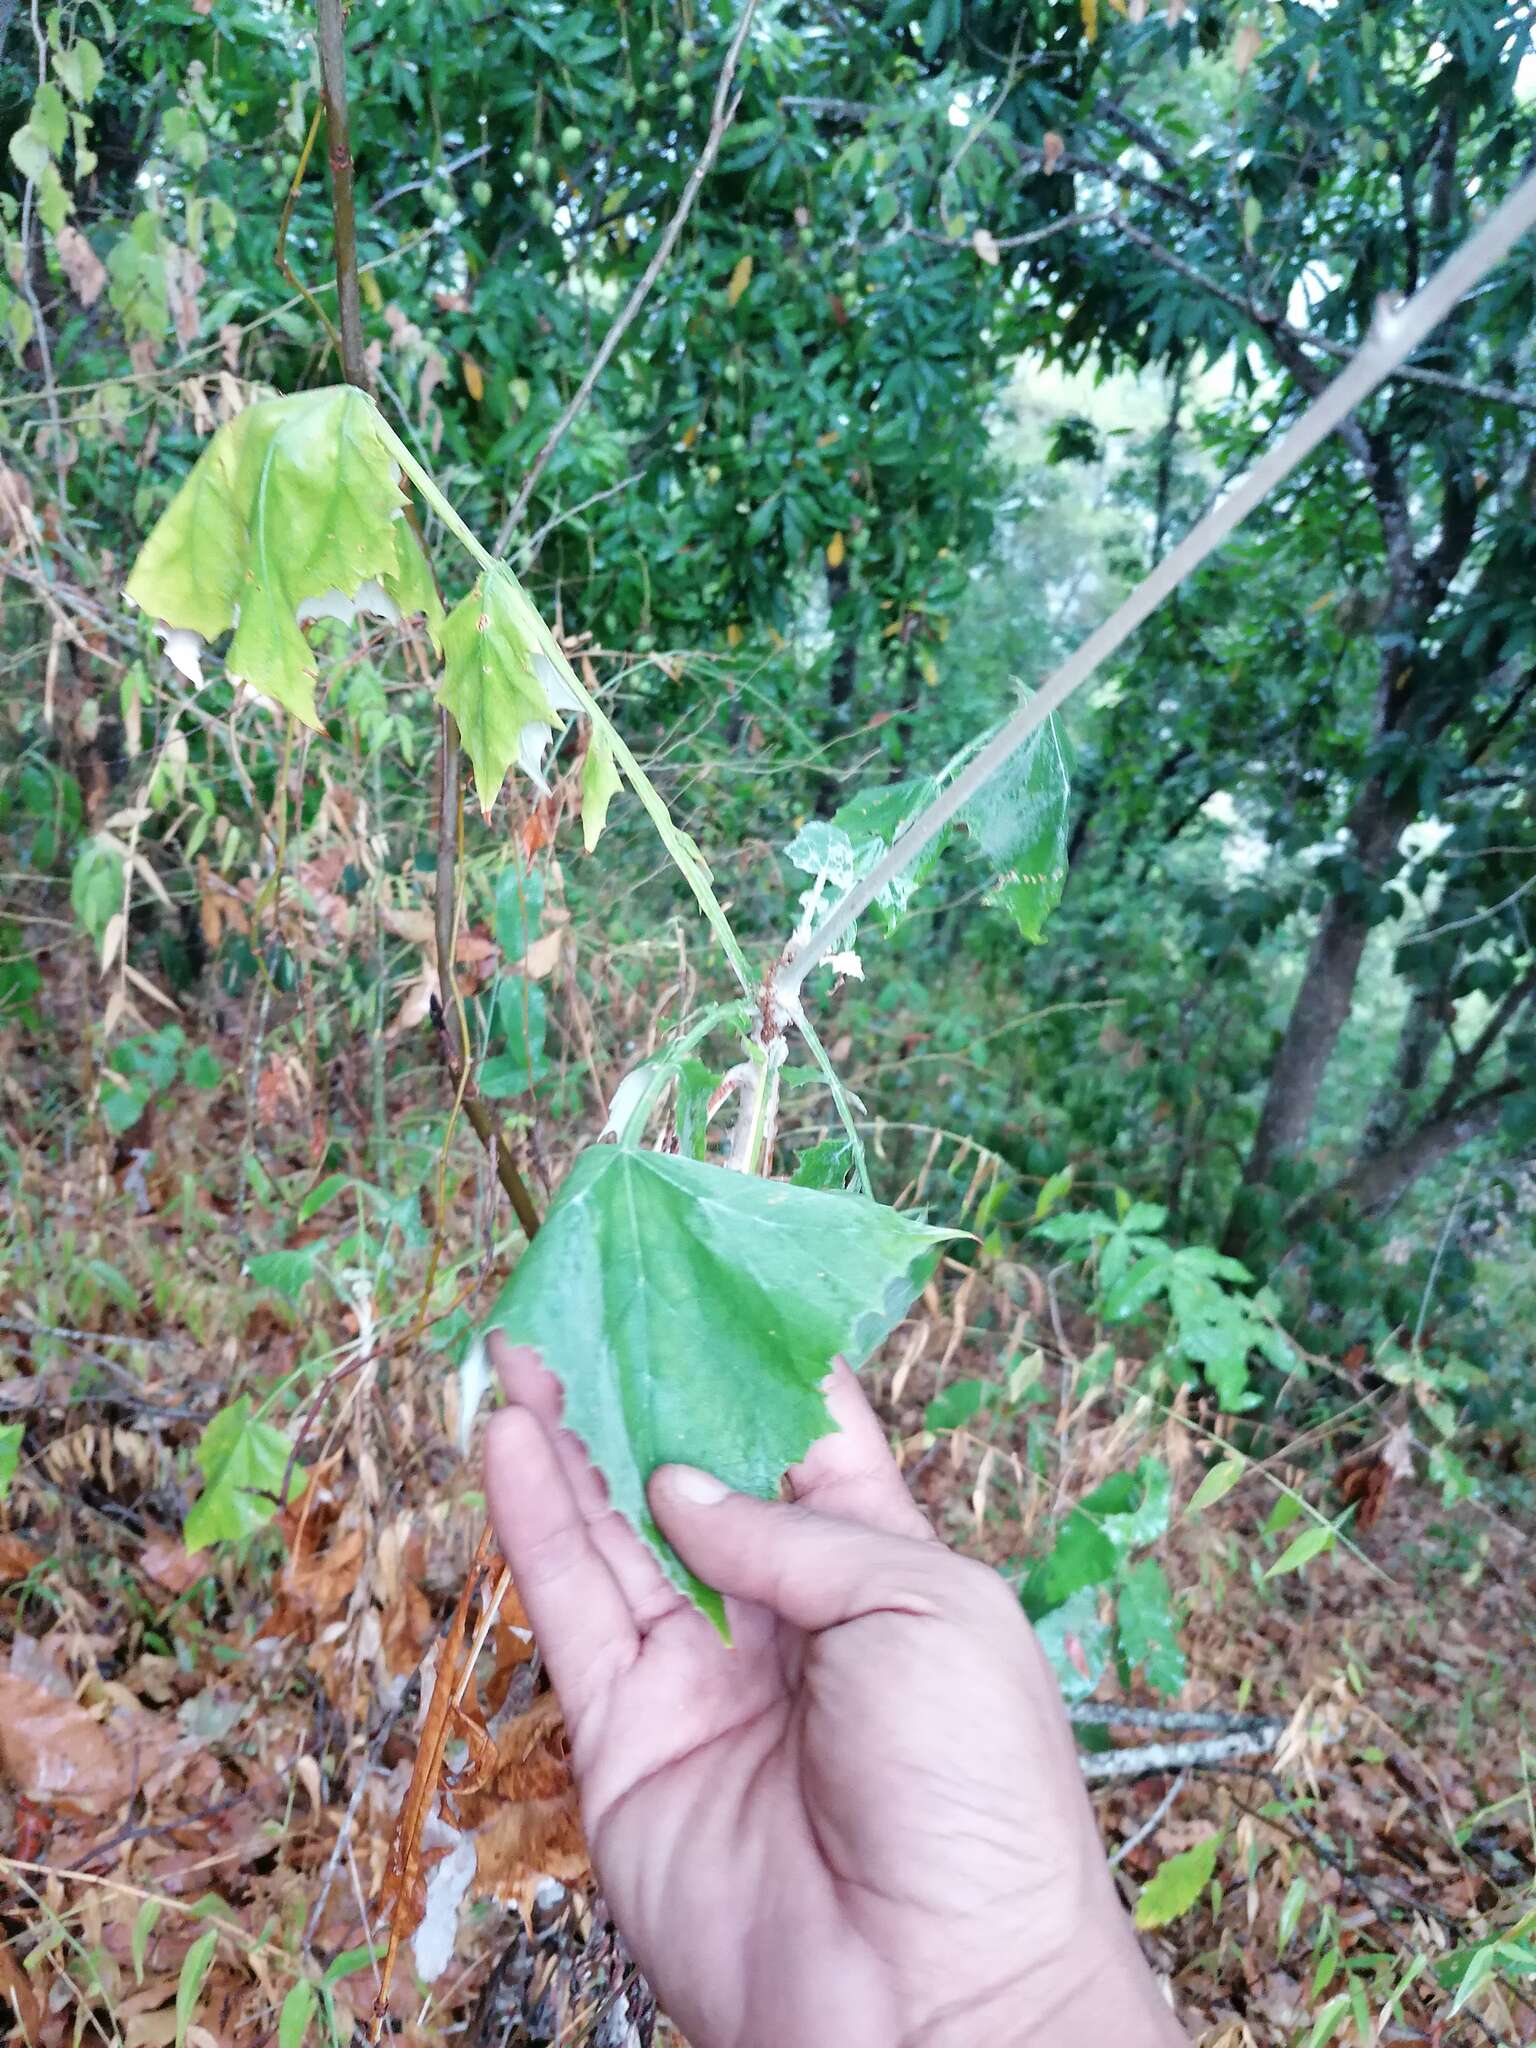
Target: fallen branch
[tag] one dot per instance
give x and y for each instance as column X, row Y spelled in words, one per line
column 1209, row 1751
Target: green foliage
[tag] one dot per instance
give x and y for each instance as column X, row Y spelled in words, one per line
column 1094, row 1555
column 1210, row 1323
column 11, row 1434
column 243, row 1461
column 492, row 686
column 291, row 513
column 691, row 1313
column 1177, row 1884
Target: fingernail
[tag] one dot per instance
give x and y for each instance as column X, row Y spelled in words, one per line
column 687, row 1482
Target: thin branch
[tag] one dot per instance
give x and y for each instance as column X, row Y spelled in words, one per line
column 1151, row 1825
column 34, row 307
column 720, row 119
column 530, row 548
column 1393, row 336
column 330, row 37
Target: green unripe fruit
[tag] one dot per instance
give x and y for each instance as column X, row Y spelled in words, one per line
column 269, row 164
column 544, row 207
column 807, row 238
column 653, row 40
column 687, row 49
column 731, row 373
column 738, row 444
column 439, row 202
column 290, row 163
column 684, row 105
column 679, row 81
column 570, row 137
column 712, row 474
column 627, row 99
column 480, row 192
column 642, row 127
column 541, row 169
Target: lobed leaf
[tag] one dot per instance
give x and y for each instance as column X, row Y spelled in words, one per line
column 691, row 1313
column 293, row 512
column 500, row 686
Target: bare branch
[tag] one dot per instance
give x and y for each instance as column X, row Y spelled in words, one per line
column 720, row 119
column 330, row 36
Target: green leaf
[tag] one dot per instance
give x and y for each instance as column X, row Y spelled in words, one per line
column 694, row 1086
column 292, row 512
column 498, row 684
column 522, row 1010
column 691, row 1314
column 11, row 1434
column 29, row 153
column 143, row 1927
column 1075, row 1639
column 298, row 2010
column 287, row 1273
column 49, row 117
column 1176, row 1884
column 317, row 1198
column 960, row 1403
column 1019, row 823
column 1148, row 1632
column 600, row 784
column 828, row 1164
column 1217, row 1484
column 519, row 908
column 1132, row 1293
column 1054, row 1190
column 194, row 1968
column 243, row 1462
column 80, row 69
column 203, row 1069
column 1309, row 1544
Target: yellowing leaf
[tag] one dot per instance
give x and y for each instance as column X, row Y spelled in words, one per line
column 741, row 277
column 474, row 378
column 984, row 242
column 291, row 513
column 498, row 684
column 836, row 551
column 1176, row 1884
column 1053, row 148
column 733, row 635
column 373, row 297
column 1091, row 20
column 1246, row 45
column 600, row 784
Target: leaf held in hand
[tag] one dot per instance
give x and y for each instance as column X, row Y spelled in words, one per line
column 291, row 513
column 691, row 1314
column 1176, row 1884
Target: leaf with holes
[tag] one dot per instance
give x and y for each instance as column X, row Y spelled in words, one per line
column 691, row 1314
column 293, row 512
column 501, row 686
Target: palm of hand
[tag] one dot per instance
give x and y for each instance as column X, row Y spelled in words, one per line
column 862, row 1824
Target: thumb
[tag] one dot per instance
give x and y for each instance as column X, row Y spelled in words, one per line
column 814, row 1570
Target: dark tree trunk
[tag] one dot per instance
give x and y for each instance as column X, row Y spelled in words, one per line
column 1327, row 990
column 1375, row 1184
column 1423, row 1026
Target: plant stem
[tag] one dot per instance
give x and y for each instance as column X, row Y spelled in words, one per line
column 684, row 855
column 1393, row 337
column 330, row 24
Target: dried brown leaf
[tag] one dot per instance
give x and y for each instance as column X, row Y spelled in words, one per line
column 52, row 1750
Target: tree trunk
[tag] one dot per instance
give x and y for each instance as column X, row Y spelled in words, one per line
column 1423, row 1026
column 1375, row 1184
column 1327, row 990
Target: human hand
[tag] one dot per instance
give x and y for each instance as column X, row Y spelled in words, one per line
column 863, row 1826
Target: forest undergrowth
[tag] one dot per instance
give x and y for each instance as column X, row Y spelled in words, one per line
column 206, row 1753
